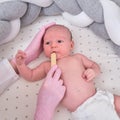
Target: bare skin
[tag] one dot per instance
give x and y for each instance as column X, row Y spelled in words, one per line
column 78, row 72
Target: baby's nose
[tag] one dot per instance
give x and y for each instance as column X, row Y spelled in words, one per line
column 54, row 45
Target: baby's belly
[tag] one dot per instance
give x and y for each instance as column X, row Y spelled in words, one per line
column 74, row 97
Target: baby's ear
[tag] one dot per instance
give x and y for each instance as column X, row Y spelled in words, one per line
column 72, row 44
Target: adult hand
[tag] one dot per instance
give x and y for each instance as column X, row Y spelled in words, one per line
column 53, row 83
column 35, row 47
column 51, row 93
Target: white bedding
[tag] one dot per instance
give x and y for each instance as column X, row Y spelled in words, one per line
column 19, row 101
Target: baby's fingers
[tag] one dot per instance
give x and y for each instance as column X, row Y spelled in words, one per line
column 90, row 77
column 19, row 56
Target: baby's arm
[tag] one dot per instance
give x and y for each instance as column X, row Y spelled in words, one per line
column 27, row 73
column 92, row 69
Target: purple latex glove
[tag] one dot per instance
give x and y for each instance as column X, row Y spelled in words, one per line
column 35, row 47
column 50, row 94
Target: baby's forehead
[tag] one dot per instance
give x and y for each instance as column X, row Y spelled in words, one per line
column 57, row 28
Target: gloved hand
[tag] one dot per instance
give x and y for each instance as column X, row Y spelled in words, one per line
column 35, row 47
column 50, row 94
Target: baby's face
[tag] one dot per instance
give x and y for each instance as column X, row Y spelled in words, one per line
column 57, row 40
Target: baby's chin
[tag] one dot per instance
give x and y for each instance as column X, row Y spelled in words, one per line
column 58, row 56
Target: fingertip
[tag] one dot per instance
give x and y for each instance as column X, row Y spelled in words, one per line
column 58, row 70
column 54, row 67
column 61, row 81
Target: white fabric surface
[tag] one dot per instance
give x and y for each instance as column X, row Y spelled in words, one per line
column 98, row 107
column 19, row 101
column 112, row 19
column 15, row 28
column 7, row 75
column 39, row 2
column 81, row 20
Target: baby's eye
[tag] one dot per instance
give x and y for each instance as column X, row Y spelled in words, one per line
column 47, row 43
column 60, row 41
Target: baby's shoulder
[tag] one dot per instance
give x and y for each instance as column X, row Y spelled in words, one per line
column 78, row 55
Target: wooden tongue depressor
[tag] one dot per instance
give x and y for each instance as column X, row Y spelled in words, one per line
column 53, row 59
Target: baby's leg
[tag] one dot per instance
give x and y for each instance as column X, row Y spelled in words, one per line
column 117, row 104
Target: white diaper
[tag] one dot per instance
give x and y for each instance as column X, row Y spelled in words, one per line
column 98, row 107
column 7, row 75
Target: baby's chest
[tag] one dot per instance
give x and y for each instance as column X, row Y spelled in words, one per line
column 70, row 67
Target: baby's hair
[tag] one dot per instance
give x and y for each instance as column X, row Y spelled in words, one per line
column 66, row 29
column 62, row 26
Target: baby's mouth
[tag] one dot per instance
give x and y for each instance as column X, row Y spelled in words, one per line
column 55, row 53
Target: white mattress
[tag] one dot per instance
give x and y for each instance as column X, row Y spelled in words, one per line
column 19, row 101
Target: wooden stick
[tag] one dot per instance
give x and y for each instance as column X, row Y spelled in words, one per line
column 53, row 59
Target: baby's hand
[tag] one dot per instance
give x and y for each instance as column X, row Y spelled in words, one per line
column 20, row 57
column 89, row 74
